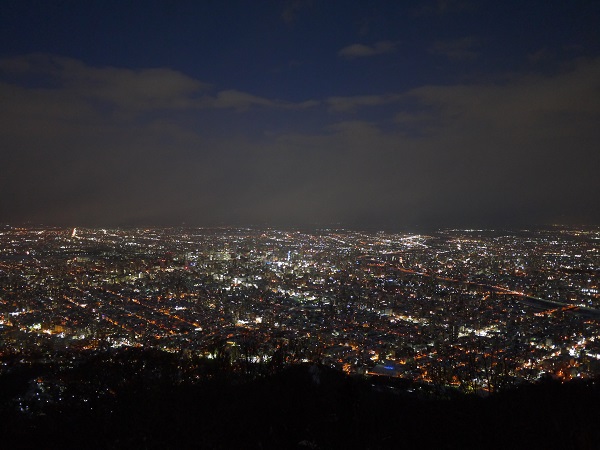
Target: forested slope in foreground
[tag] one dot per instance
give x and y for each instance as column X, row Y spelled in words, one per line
column 132, row 398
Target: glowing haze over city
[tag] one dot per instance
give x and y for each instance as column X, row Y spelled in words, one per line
column 363, row 114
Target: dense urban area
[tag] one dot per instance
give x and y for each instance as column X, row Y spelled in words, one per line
column 474, row 309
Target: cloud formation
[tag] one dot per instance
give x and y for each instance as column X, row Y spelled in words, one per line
column 457, row 49
column 291, row 9
column 126, row 91
column 354, row 51
column 156, row 88
column 353, row 103
column 440, row 7
column 528, row 104
column 175, row 149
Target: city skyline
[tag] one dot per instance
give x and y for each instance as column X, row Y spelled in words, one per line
column 417, row 115
column 395, row 304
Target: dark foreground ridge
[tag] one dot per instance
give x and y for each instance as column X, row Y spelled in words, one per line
column 134, row 398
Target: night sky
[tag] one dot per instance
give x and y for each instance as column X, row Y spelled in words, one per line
column 361, row 114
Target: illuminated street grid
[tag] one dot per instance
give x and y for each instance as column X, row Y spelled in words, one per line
column 473, row 309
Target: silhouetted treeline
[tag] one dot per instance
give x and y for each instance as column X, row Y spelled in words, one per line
column 133, row 398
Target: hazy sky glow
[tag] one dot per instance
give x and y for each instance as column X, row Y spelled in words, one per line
column 377, row 114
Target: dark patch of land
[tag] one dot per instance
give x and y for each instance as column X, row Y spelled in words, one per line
column 140, row 399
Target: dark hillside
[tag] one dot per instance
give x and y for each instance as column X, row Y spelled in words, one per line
column 133, row 400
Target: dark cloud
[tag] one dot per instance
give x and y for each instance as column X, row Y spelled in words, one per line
column 123, row 90
column 86, row 145
column 457, row 49
column 350, row 104
column 242, row 101
column 159, row 88
column 361, row 50
column 440, row 7
column 533, row 105
column 292, row 8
